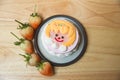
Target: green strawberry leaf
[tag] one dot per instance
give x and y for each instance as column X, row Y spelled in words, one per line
column 40, row 65
column 34, row 15
column 22, row 25
column 26, row 56
column 22, row 40
column 17, row 43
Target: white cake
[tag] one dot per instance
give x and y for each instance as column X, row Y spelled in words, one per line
column 60, row 38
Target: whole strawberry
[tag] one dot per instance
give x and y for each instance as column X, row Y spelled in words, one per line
column 25, row 45
column 34, row 20
column 31, row 59
column 45, row 68
column 26, row 30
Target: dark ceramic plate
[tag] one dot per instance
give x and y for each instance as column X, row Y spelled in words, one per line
column 61, row 61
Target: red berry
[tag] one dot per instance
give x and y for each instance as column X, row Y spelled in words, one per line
column 31, row 59
column 45, row 68
column 26, row 30
column 34, row 20
column 25, row 45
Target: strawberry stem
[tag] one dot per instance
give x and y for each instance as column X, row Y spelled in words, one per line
column 26, row 56
column 22, row 55
column 35, row 9
column 34, row 14
column 23, row 25
column 40, row 65
column 19, row 22
column 15, row 36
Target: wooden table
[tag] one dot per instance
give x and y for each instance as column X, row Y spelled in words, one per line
column 101, row 19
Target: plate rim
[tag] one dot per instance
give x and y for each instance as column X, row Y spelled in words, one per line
column 61, row 64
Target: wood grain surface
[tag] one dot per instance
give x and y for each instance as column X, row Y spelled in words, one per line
column 101, row 19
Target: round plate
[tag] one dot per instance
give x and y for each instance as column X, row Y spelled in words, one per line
column 61, row 61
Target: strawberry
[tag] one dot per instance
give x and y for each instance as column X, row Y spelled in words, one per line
column 45, row 68
column 31, row 59
column 26, row 30
column 25, row 45
column 35, row 19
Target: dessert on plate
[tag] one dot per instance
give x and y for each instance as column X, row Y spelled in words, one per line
column 60, row 38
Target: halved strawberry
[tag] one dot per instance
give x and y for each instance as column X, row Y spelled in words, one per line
column 34, row 20
column 26, row 30
column 45, row 68
column 31, row 59
column 25, row 45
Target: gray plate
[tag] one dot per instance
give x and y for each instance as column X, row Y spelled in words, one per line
column 61, row 61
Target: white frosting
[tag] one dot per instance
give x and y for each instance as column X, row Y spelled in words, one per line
column 48, row 41
column 54, row 46
column 62, row 48
column 55, row 49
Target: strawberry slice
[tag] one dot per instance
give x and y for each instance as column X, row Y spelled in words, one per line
column 34, row 20
column 31, row 59
column 45, row 68
column 25, row 45
column 26, row 30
